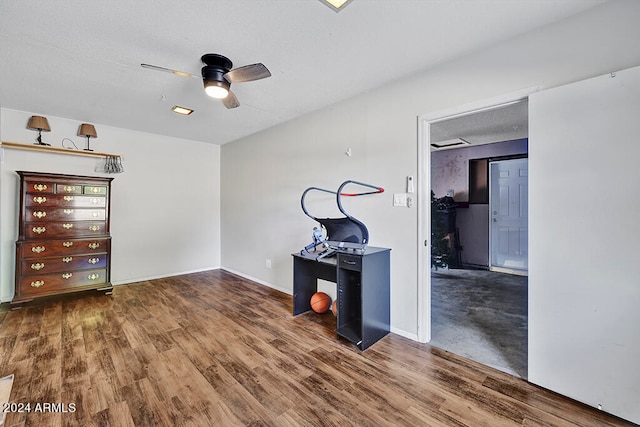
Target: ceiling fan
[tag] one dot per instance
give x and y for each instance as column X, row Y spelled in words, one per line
column 217, row 76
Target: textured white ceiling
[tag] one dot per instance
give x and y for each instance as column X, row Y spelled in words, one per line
column 504, row 123
column 81, row 59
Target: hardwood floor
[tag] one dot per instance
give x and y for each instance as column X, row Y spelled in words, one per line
column 212, row 348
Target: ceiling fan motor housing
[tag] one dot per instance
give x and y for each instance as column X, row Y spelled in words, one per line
column 215, row 69
column 213, row 73
column 216, row 60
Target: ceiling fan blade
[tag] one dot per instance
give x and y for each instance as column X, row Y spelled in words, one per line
column 167, row 70
column 247, row 73
column 230, row 101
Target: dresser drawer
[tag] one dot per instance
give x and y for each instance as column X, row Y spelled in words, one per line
column 40, row 187
column 71, row 201
column 47, row 214
column 64, row 263
column 94, row 189
column 68, row 188
column 350, row 262
column 68, row 247
column 34, row 230
column 43, row 284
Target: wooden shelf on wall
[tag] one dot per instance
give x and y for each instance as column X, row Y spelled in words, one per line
column 55, row 150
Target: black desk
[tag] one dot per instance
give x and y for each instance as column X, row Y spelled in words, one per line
column 363, row 291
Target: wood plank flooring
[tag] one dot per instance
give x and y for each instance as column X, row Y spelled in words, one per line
column 215, row 349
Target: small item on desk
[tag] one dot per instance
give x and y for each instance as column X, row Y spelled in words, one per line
column 318, row 240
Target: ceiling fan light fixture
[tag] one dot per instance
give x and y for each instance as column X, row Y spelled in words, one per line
column 336, row 5
column 216, row 89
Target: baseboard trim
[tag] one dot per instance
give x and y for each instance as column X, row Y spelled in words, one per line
column 258, row 281
column 509, row 271
column 403, row 333
column 161, row 276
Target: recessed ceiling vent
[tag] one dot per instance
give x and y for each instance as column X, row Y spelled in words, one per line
column 336, row 5
column 450, row 143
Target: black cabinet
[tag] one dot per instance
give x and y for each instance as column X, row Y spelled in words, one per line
column 362, row 287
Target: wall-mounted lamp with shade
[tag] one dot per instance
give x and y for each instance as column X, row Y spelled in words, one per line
column 89, row 131
column 40, row 124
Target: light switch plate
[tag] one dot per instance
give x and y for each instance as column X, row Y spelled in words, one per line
column 400, row 199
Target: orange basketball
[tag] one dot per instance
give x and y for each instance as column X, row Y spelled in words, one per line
column 334, row 308
column 320, row 302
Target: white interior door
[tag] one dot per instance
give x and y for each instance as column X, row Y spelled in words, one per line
column 508, row 207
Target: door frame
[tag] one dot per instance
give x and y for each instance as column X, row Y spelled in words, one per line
column 424, row 194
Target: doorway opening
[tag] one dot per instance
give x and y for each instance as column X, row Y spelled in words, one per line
column 478, row 228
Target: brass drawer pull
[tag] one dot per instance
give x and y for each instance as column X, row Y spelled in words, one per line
column 95, row 214
column 40, row 187
column 93, row 260
column 94, row 228
column 37, row 283
column 93, row 276
column 39, row 199
column 37, row 266
column 39, row 214
column 39, row 230
column 67, row 244
column 94, row 245
column 38, row 249
column 68, row 198
column 67, row 259
column 95, row 201
column 95, row 190
column 67, row 226
column 68, row 211
column 69, row 188
column 67, row 275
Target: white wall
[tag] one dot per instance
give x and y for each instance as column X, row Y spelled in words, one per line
column 584, row 289
column 264, row 175
column 165, row 207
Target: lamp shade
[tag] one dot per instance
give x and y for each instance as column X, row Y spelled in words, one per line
column 38, row 123
column 87, row 130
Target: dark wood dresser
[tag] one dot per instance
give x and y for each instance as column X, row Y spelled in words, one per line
column 63, row 243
